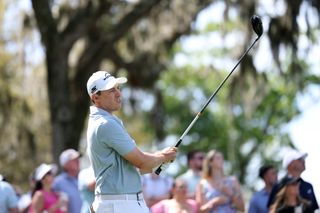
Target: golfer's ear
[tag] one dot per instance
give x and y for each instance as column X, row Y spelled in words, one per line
column 94, row 98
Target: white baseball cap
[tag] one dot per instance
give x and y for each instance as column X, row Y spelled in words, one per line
column 102, row 80
column 43, row 169
column 67, row 155
column 292, row 155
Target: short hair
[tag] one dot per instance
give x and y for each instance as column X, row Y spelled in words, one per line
column 263, row 170
column 192, row 153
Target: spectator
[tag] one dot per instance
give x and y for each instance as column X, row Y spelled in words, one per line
column 156, row 188
column 193, row 175
column 25, row 199
column 294, row 163
column 44, row 199
column 179, row 201
column 67, row 181
column 288, row 200
column 87, row 185
column 216, row 192
column 8, row 197
column 258, row 203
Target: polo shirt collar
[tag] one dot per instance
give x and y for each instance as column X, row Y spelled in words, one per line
column 98, row 111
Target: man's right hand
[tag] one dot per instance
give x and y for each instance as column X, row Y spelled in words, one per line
column 169, row 153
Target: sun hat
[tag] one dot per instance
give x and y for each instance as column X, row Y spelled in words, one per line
column 102, row 80
column 43, row 169
column 292, row 155
column 68, row 155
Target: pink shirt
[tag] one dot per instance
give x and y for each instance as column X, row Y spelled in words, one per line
column 163, row 207
column 49, row 200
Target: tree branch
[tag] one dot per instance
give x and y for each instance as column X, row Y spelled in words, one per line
column 139, row 11
column 83, row 20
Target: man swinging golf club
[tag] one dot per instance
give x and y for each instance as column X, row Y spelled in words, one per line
column 115, row 158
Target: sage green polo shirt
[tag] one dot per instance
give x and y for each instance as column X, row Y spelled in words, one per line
column 107, row 142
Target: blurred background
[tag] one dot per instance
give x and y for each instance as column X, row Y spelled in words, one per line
column 174, row 54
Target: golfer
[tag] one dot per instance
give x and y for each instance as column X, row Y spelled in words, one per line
column 117, row 161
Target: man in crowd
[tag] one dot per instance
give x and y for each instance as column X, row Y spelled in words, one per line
column 258, row 203
column 294, row 163
column 193, row 174
column 67, row 181
column 8, row 197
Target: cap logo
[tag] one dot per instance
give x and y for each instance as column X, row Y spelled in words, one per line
column 93, row 89
column 106, row 76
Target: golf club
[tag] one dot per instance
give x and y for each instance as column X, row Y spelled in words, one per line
column 258, row 29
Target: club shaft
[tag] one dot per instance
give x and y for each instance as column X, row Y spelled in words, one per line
column 226, row 78
column 159, row 169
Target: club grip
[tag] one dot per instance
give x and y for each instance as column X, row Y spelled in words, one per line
column 163, row 166
column 158, row 170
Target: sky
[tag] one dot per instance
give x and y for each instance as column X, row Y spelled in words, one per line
column 305, row 134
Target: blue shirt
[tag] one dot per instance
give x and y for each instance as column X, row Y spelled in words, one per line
column 108, row 141
column 258, row 203
column 8, row 197
column 69, row 185
column 192, row 180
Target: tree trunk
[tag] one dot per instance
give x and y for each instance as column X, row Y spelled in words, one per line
column 61, row 114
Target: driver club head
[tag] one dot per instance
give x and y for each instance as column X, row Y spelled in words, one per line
column 257, row 25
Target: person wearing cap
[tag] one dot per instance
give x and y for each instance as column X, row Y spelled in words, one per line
column 288, row 199
column 116, row 160
column 294, row 163
column 258, row 203
column 8, row 197
column 67, row 181
column 43, row 197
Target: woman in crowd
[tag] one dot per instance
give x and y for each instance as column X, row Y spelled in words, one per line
column 44, row 199
column 216, row 192
column 179, row 202
column 288, row 199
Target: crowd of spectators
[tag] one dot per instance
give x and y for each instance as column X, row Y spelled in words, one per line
column 203, row 187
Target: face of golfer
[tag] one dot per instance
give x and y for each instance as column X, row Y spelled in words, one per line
column 109, row 100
